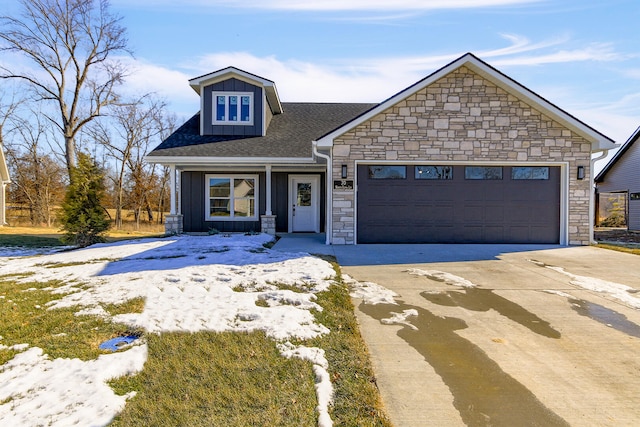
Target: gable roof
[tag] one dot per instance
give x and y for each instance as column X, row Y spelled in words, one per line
column 289, row 136
column 197, row 83
column 598, row 140
column 625, row 147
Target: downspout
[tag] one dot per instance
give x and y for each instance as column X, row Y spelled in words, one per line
column 592, row 196
column 327, row 220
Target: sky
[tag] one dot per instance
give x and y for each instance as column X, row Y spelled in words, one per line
column 190, row 284
column 582, row 55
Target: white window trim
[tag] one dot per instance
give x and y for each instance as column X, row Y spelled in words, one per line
column 207, row 198
column 214, row 101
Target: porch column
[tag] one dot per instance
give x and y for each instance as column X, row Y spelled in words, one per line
column 268, row 220
column 3, row 204
column 173, row 223
column 268, row 190
column 172, row 175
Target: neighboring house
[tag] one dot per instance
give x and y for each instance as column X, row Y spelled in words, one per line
column 466, row 155
column 4, row 181
column 622, row 175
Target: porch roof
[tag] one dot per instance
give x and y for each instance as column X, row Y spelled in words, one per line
column 289, row 135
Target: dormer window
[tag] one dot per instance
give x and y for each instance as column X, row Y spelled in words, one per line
column 233, row 108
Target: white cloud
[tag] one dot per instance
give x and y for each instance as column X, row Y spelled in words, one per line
column 172, row 85
column 325, row 5
column 342, row 5
column 593, row 52
column 375, row 79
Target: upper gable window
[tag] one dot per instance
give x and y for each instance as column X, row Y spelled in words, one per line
column 231, row 108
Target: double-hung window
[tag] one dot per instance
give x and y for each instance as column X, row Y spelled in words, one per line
column 231, row 198
column 233, row 108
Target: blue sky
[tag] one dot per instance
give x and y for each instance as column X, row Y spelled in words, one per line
column 582, row 55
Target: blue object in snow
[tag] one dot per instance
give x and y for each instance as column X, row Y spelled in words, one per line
column 117, row 343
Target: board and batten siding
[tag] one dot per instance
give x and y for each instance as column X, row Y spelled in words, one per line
column 232, row 85
column 193, row 203
column 193, row 206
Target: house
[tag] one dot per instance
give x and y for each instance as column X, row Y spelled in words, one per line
column 465, row 155
column 622, row 175
column 4, row 181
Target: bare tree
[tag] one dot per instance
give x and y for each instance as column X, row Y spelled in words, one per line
column 37, row 178
column 7, row 111
column 70, row 45
column 126, row 137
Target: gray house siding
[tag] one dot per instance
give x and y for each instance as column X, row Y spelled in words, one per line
column 232, row 85
column 624, row 176
column 634, row 215
column 193, row 199
column 193, row 203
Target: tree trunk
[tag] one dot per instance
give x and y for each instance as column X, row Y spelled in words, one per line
column 70, row 153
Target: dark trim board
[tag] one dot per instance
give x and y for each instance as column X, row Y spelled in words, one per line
column 458, row 210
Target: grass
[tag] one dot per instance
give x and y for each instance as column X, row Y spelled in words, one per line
column 205, row 378
column 226, row 379
column 356, row 399
column 24, row 318
column 42, row 237
column 622, row 247
column 240, row 379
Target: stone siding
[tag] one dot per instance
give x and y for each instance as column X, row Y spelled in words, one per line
column 462, row 117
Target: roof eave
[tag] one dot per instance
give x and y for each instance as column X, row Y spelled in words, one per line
column 222, row 161
column 628, row 144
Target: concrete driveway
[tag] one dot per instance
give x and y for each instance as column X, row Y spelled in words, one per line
column 486, row 335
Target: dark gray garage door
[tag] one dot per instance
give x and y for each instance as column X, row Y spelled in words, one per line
column 458, row 204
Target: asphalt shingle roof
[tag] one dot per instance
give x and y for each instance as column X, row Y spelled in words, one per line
column 289, row 134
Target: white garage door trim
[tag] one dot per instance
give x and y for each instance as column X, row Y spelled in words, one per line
column 564, row 185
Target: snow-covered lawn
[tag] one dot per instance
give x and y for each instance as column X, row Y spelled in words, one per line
column 190, row 283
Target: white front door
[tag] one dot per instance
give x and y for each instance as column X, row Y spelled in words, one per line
column 304, row 203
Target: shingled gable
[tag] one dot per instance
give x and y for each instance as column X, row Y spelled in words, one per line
column 599, row 142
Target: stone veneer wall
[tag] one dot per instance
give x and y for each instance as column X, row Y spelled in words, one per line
column 462, row 117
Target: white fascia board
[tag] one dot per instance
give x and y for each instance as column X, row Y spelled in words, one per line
column 598, row 141
column 223, row 161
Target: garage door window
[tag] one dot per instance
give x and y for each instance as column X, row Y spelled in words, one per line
column 634, row 196
column 529, row 173
column 483, row 172
column 387, row 172
column 434, row 172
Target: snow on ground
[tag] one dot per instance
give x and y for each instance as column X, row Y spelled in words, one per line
column 190, row 283
column 401, row 318
column 369, row 292
column 442, row 276
column 618, row 291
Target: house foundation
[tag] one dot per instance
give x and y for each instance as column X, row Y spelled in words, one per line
column 268, row 224
column 173, row 224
